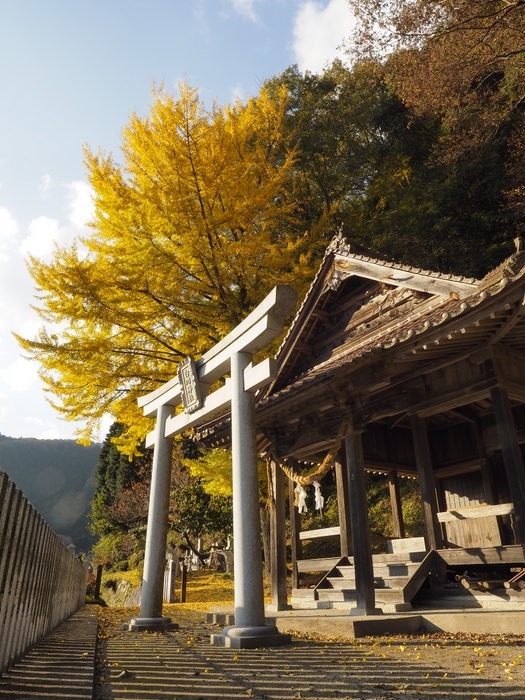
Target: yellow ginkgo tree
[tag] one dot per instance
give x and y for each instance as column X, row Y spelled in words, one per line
column 190, row 232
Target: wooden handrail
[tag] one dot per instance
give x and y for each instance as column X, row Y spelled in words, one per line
column 483, row 511
column 321, row 532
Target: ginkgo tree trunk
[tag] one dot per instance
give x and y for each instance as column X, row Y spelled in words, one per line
column 190, row 231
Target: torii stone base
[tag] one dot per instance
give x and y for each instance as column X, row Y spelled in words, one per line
column 250, row 637
column 150, row 624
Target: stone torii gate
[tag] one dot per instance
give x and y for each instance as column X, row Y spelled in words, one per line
column 233, row 356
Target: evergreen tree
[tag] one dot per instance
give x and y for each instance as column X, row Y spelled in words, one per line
column 115, row 473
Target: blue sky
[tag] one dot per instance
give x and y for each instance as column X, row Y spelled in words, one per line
column 71, row 73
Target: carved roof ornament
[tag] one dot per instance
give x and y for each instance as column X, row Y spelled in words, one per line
column 334, row 281
column 338, row 242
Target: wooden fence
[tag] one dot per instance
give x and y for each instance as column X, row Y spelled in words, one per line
column 42, row 583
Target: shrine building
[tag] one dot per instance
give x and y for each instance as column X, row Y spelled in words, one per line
column 396, row 370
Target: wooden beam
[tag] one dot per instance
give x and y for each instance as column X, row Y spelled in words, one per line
column 514, row 317
column 278, row 539
column 343, row 507
column 395, row 505
column 410, row 279
column 510, row 554
column 295, row 542
column 364, row 570
column 512, row 458
column 421, row 574
column 433, row 535
column 470, row 393
column 468, row 467
column 509, row 365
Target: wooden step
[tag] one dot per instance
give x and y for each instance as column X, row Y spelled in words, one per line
column 338, row 583
column 397, row 568
column 317, row 565
column 382, row 595
column 397, row 578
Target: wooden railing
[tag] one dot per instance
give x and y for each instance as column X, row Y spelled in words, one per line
column 481, row 511
column 325, row 563
column 42, row 583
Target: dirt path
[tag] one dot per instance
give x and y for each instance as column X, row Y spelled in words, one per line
column 182, row 664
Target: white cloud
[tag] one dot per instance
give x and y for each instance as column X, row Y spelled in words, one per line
column 43, row 233
column 20, row 374
column 51, row 434
column 3, row 405
column 81, row 204
column 246, row 8
column 239, row 94
column 319, row 31
column 8, row 231
column 46, row 185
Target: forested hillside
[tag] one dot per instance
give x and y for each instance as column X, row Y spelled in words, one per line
column 58, row 478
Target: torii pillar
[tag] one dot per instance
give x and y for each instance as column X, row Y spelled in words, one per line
column 233, row 356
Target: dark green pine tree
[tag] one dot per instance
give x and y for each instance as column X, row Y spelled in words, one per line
column 115, row 473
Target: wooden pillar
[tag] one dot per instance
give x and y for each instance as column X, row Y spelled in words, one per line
column 427, row 484
column 512, row 458
column 343, row 507
column 395, row 504
column 278, row 540
column 364, row 570
column 295, row 529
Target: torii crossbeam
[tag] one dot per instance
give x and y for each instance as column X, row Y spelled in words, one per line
column 232, row 356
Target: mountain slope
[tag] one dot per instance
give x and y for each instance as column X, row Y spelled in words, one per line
column 58, row 478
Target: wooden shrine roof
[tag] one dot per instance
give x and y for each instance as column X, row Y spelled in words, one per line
column 375, row 286
column 368, row 331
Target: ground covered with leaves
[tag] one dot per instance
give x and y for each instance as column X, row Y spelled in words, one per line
column 182, row 664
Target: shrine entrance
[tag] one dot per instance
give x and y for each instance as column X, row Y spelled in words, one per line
column 231, row 360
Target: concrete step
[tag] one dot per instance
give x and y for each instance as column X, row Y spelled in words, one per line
column 336, row 584
column 332, row 595
column 389, row 595
column 461, row 598
column 306, row 593
column 401, row 557
column 347, row 626
column 391, row 581
column 61, row 665
column 396, row 569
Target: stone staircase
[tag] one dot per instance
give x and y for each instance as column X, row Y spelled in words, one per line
column 397, row 578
